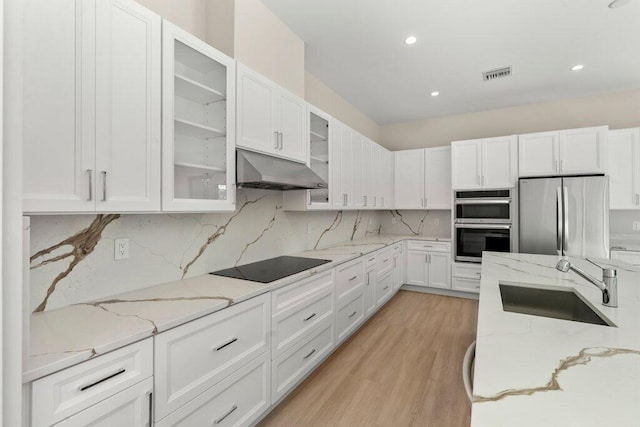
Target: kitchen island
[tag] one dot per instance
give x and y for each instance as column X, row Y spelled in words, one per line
column 539, row 371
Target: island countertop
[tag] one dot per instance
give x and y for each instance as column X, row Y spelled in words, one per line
column 538, row 371
column 67, row 336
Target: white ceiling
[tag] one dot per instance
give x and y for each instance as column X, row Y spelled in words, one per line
column 357, row 48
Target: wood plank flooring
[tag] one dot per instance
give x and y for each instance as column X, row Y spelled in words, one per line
column 402, row 368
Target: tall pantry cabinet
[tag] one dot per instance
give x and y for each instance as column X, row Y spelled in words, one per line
column 91, row 113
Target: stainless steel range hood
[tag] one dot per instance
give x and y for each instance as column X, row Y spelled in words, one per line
column 254, row 170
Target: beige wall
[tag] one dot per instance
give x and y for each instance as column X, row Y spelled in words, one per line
column 190, row 15
column 323, row 97
column 266, row 45
column 618, row 110
column 220, row 25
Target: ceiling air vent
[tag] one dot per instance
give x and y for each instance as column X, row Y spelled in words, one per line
column 496, row 74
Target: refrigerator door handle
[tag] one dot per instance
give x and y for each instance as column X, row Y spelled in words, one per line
column 565, row 211
column 559, row 220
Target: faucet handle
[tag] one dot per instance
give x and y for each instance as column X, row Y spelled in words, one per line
column 606, row 271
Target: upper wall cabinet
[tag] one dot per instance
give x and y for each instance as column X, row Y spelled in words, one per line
column 270, row 120
column 567, row 152
column 198, row 109
column 423, row 178
column 488, row 163
column 624, row 169
column 320, row 147
column 91, row 106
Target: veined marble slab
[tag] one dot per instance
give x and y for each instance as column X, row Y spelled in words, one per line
column 537, row 371
column 64, row 337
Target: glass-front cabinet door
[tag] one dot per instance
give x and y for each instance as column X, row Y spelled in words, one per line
column 198, row 125
column 319, row 156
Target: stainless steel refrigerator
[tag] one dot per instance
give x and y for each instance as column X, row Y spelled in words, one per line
column 565, row 216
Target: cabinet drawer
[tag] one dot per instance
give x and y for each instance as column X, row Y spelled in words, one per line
column 465, row 285
column 349, row 317
column 397, row 249
column 129, row 407
column 370, row 261
column 294, row 364
column 466, row 270
column 384, row 287
column 191, row 358
column 429, row 246
column 291, row 325
column 64, row 393
column 236, row 401
column 385, row 261
column 630, row 257
column 285, row 298
column 349, row 279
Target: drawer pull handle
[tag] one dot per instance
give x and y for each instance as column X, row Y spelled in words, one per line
column 309, row 355
column 353, row 314
column 386, row 260
column 226, row 344
column 310, row 317
column 371, row 259
column 385, row 288
column 88, row 386
column 229, row 412
column 353, row 278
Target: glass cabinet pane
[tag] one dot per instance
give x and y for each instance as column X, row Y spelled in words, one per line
column 319, row 155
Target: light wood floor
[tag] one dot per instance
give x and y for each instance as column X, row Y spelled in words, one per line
column 402, row 368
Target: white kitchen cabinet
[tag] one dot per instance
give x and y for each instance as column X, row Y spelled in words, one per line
column 484, row 163
column 343, row 160
column 624, row 169
column 370, row 291
column 423, row 179
column 566, row 152
column 131, row 407
column 388, row 169
column 428, row 264
column 466, row 277
column 270, row 120
column 321, row 148
column 437, row 178
column 398, row 266
column 198, row 124
column 357, row 174
column 92, row 106
column 409, row 179
column 367, row 173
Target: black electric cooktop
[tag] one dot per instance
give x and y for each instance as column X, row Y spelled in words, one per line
column 272, row 269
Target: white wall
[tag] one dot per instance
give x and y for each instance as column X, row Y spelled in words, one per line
column 268, row 46
column 190, row 15
column 220, row 18
column 618, row 110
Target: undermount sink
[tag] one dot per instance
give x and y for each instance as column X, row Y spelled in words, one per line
column 558, row 303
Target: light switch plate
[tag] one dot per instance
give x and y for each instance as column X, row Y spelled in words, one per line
column 636, row 225
column 121, row 247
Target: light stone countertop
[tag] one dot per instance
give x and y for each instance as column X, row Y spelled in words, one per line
column 625, row 242
column 64, row 337
column 537, row 371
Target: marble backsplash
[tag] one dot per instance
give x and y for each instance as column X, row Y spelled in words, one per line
column 419, row 223
column 72, row 256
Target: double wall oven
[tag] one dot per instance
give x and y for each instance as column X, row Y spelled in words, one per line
column 484, row 221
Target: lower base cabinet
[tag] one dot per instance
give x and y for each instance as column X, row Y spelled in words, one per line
column 385, row 287
column 238, row 400
column 466, row 277
column 370, row 292
column 130, row 407
column 349, row 317
column 429, row 264
column 291, row 367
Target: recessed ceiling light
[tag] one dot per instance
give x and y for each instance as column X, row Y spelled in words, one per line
column 436, row 93
column 411, row 40
column 617, row 3
column 577, row 67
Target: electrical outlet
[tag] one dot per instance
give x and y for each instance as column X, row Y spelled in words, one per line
column 121, row 248
column 636, row 225
column 436, row 221
column 393, row 220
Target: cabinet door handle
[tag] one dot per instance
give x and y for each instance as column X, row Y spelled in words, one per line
column 364, row 200
column 555, row 165
column 90, row 172
column 637, row 199
column 225, row 344
column 104, row 186
column 95, row 383
column 310, row 317
column 352, row 314
column 226, row 414
column 426, row 258
column 560, row 165
column 309, row 355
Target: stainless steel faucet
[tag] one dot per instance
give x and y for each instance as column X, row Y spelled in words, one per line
column 608, row 285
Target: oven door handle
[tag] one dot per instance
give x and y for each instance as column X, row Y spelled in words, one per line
column 483, row 201
column 485, row 226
